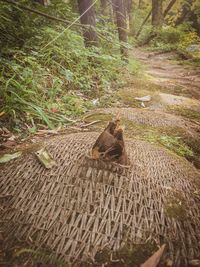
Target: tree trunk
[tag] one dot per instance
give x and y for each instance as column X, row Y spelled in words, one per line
column 169, row 7
column 195, row 22
column 129, row 8
column 185, row 13
column 140, row 4
column 89, row 33
column 143, row 23
column 157, row 13
column 188, row 14
column 103, row 5
column 120, row 12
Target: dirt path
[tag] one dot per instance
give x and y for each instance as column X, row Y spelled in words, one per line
column 166, row 71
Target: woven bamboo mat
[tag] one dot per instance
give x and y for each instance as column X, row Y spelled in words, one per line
column 80, row 206
column 150, row 118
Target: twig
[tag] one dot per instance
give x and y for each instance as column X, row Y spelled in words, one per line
column 91, row 123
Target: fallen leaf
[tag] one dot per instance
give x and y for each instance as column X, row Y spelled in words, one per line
column 154, row 260
column 7, row 157
column 6, row 130
column 45, row 158
column 12, row 138
column 2, row 113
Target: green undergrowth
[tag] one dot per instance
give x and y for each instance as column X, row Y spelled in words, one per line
column 183, row 39
column 24, row 256
column 46, row 80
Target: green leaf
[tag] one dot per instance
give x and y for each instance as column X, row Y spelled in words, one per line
column 7, row 157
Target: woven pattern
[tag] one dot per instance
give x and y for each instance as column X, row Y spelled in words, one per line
column 81, row 205
column 148, row 117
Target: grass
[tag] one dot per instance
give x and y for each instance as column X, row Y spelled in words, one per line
column 185, row 112
column 21, row 256
column 176, row 206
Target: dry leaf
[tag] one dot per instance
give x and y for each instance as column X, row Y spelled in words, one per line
column 8, row 144
column 45, row 158
column 155, row 258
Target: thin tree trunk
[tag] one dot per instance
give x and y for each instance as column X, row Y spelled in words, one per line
column 120, row 12
column 169, row 7
column 103, row 5
column 89, row 33
column 195, row 21
column 157, row 13
column 143, row 23
column 140, row 3
column 186, row 11
column 129, row 8
column 188, row 14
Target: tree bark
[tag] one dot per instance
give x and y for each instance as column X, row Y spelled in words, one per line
column 120, row 13
column 129, row 8
column 186, row 11
column 169, row 7
column 188, row 14
column 140, row 4
column 157, row 13
column 103, row 5
column 88, row 19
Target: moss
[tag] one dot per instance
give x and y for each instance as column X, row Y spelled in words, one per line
column 176, row 206
column 128, row 256
column 185, row 112
column 168, row 137
column 138, row 89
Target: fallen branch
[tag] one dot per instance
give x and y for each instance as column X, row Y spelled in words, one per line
column 91, row 123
